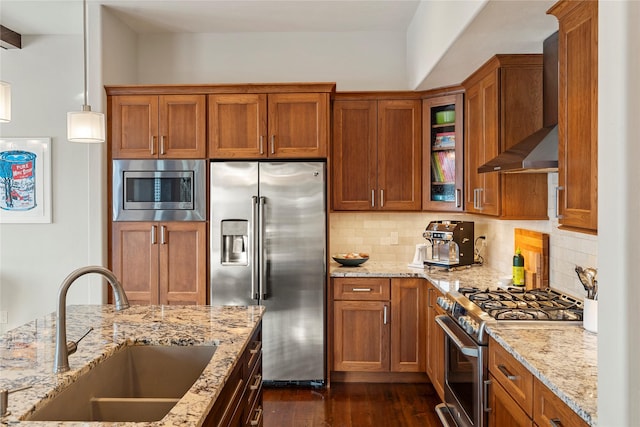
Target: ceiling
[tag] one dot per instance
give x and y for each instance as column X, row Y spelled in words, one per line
column 30, row 17
column 501, row 26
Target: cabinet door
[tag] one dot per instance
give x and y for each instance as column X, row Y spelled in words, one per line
column 549, row 410
column 135, row 260
column 435, row 343
column 399, row 155
column 183, row 272
column 474, row 148
column 237, row 126
column 504, row 410
column 361, row 336
column 355, row 160
column 298, row 125
column 182, row 129
column 481, row 136
column 408, row 325
column 442, row 161
column 482, row 190
column 578, row 115
column 134, row 126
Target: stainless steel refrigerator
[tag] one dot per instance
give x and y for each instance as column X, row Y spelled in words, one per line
column 268, row 246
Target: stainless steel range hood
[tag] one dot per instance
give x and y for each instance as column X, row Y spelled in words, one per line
column 539, row 151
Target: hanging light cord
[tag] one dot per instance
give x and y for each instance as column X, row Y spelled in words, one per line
column 85, row 106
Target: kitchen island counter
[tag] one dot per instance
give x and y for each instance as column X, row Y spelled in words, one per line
column 561, row 356
column 27, row 352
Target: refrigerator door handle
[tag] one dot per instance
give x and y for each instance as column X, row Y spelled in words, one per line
column 261, row 244
column 253, row 250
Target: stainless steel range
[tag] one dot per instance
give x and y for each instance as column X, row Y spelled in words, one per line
column 469, row 312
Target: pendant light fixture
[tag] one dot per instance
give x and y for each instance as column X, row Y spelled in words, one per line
column 5, row 102
column 85, row 125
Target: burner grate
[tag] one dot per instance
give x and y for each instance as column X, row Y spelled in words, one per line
column 525, row 304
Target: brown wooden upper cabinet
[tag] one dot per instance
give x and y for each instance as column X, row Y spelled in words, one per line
column 158, row 126
column 503, row 105
column 275, row 125
column 377, row 146
column 442, row 164
column 578, row 115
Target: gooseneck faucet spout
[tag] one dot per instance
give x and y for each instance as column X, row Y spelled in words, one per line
column 61, row 359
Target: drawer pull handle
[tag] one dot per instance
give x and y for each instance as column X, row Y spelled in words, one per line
column 256, row 420
column 555, row 422
column 507, row 374
column 256, row 382
column 360, row 289
column 257, row 348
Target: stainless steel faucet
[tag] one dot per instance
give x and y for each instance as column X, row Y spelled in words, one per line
column 61, row 359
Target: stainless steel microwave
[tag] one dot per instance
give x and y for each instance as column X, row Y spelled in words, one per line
column 159, row 190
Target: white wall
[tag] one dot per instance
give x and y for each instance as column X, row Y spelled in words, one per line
column 356, row 61
column 46, row 78
column 619, row 210
column 429, row 35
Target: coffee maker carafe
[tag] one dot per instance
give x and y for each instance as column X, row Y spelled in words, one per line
column 451, row 243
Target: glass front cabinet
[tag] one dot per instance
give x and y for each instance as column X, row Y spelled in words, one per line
column 443, row 177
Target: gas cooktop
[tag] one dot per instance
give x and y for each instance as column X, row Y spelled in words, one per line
column 525, row 304
column 475, row 308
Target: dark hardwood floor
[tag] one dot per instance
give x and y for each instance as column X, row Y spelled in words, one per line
column 352, row 405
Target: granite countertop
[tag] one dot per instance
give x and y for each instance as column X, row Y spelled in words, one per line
column 27, row 352
column 564, row 357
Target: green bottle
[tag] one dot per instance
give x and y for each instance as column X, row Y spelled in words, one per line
column 518, row 268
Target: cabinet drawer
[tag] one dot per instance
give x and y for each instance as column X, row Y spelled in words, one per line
column 253, row 395
column 253, row 353
column 548, row 407
column 360, row 289
column 512, row 375
column 226, row 408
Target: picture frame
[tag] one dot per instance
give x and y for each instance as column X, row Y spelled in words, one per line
column 25, row 180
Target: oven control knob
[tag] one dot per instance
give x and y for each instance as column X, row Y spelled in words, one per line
column 468, row 324
column 444, row 302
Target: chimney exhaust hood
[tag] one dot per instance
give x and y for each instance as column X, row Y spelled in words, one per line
column 539, row 151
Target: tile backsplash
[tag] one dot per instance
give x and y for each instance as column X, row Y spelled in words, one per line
column 392, row 237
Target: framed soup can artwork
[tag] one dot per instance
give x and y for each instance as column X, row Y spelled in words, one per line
column 25, row 180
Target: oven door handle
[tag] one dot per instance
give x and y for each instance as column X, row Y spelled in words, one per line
column 466, row 350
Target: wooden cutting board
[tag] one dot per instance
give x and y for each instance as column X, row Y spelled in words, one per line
column 535, row 250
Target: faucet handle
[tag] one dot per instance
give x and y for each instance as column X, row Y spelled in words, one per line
column 72, row 346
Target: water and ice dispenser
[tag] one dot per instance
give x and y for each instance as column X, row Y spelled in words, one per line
column 235, row 242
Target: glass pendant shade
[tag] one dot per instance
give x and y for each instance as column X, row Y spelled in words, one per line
column 5, row 102
column 85, row 126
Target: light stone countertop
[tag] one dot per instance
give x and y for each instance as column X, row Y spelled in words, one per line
column 27, row 352
column 564, row 357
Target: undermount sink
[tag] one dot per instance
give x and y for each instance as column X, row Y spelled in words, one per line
column 138, row 383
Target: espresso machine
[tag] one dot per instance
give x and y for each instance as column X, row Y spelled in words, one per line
column 451, row 243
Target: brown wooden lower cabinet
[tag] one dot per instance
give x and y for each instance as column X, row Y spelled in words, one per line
column 161, row 262
column 517, row 398
column 379, row 325
column 239, row 404
column 435, row 342
column 504, row 409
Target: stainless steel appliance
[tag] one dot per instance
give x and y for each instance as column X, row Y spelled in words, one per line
column 159, row 190
column 451, row 243
column 469, row 311
column 268, row 246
